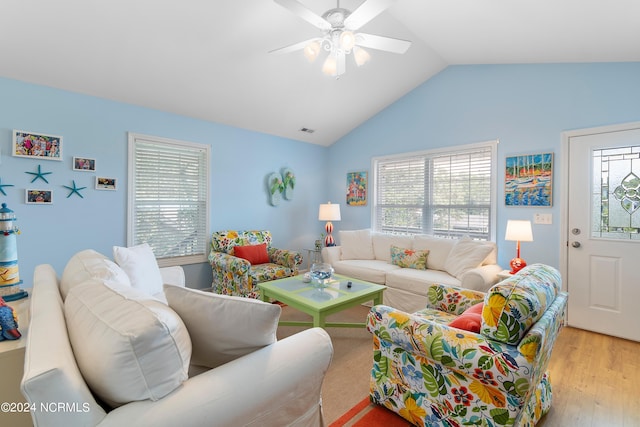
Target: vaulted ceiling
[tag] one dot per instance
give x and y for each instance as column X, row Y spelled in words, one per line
column 209, row 59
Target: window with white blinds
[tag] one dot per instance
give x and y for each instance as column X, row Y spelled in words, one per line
column 443, row 193
column 168, row 198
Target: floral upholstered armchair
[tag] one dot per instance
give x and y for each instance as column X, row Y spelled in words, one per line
column 237, row 276
column 433, row 373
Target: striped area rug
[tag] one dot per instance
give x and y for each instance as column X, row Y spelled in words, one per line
column 367, row 414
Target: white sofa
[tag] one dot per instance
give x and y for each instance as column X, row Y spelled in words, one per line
column 100, row 352
column 366, row 255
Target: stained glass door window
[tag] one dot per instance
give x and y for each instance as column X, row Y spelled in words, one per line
column 615, row 198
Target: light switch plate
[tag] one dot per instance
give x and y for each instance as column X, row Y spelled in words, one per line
column 542, row 218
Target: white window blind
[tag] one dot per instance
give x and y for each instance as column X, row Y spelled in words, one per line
column 443, row 193
column 168, row 198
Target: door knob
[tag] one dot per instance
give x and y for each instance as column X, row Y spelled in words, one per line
column 576, row 244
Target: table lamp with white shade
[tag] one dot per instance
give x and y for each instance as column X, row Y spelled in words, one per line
column 329, row 212
column 518, row 231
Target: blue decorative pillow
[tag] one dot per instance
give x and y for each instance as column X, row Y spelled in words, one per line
column 409, row 258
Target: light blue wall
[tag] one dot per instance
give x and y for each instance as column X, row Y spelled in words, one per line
column 97, row 128
column 526, row 107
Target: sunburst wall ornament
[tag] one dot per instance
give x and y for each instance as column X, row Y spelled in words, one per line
column 339, row 38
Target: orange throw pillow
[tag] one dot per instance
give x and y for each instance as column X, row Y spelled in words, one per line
column 470, row 320
column 255, row 254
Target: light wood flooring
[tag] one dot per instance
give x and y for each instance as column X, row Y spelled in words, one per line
column 595, row 378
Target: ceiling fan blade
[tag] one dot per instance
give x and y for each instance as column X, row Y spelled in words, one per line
column 382, row 43
column 303, row 12
column 366, row 12
column 293, row 47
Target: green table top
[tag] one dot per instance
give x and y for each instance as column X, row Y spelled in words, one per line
column 294, row 289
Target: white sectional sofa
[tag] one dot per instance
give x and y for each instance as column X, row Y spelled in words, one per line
column 367, row 255
column 109, row 346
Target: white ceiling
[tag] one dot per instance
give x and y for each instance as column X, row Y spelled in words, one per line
column 209, row 59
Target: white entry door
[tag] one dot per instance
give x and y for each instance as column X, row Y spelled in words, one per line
column 603, row 230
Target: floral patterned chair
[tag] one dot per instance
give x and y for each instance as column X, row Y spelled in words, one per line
column 237, row 276
column 435, row 374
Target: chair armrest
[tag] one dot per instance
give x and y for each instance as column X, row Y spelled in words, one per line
column 441, row 343
column 277, row 385
column 224, row 262
column 331, row 254
column 452, row 299
column 481, row 278
column 173, row 275
column 285, row 257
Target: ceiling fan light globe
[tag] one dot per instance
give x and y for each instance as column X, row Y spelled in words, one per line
column 347, row 40
column 361, row 56
column 330, row 66
column 312, row 50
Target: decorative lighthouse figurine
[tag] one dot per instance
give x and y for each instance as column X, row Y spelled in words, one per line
column 9, row 276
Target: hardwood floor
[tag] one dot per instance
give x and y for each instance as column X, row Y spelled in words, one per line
column 595, row 378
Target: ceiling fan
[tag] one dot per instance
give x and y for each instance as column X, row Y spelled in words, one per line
column 339, row 38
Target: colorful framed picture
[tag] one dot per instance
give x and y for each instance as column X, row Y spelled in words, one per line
column 84, row 164
column 38, row 197
column 37, row 145
column 357, row 188
column 529, row 180
column 103, row 183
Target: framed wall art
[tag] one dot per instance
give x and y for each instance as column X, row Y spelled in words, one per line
column 357, row 188
column 84, row 164
column 38, row 197
column 37, row 145
column 103, row 183
column 529, row 180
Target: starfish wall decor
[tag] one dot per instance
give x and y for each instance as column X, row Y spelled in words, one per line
column 74, row 189
column 39, row 175
column 4, row 185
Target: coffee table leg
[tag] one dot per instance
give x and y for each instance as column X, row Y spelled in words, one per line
column 318, row 320
column 377, row 300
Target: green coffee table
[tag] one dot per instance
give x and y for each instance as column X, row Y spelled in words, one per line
column 337, row 297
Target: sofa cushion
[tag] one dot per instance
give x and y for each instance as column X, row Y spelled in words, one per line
column 418, row 281
column 372, row 270
column 223, row 328
column 128, row 346
column 467, row 254
column 356, row 244
column 141, row 266
column 382, row 243
column 512, row 306
column 409, row 258
column 438, row 247
column 255, row 254
column 88, row 264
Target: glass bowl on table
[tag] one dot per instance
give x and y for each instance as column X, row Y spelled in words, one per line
column 320, row 275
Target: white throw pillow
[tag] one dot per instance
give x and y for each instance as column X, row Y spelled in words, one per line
column 222, row 327
column 128, row 346
column 90, row 264
column 439, row 249
column 356, row 244
column 382, row 243
column 141, row 266
column 465, row 255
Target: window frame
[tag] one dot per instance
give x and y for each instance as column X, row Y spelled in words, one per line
column 205, row 149
column 431, row 153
